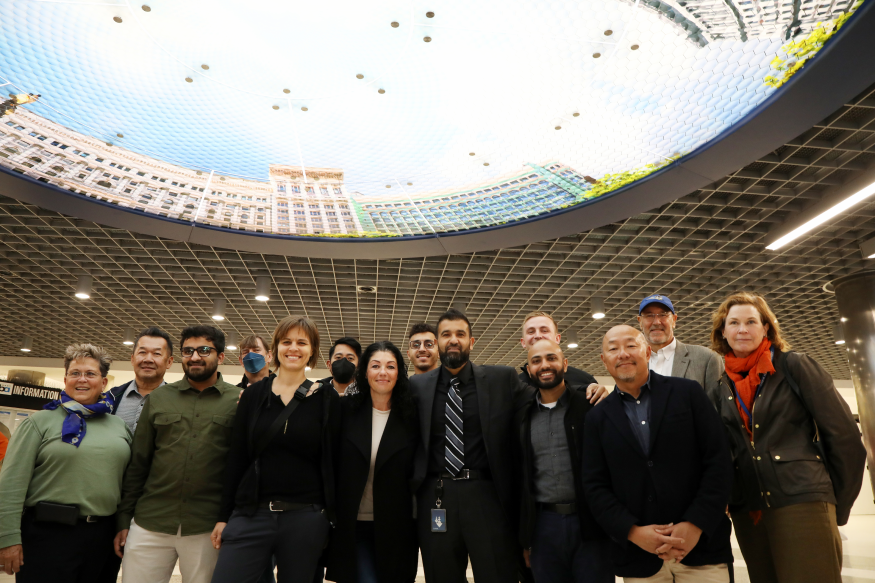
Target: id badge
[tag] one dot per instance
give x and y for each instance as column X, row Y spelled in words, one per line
column 438, row 520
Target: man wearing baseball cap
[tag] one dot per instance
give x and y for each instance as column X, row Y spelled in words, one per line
column 657, row 319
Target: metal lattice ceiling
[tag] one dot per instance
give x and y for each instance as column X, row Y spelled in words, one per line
column 697, row 249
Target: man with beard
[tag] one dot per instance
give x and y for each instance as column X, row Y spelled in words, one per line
column 422, row 348
column 173, row 486
column 561, row 540
column 467, row 498
column 671, row 358
column 343, row 358
column 657, row 471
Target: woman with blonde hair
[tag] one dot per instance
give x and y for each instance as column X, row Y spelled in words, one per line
column 278, row 497
column 797, row 453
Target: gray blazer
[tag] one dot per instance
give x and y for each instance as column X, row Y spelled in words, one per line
column 699, row 364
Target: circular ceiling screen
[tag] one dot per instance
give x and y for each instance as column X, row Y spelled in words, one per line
column 342, row 118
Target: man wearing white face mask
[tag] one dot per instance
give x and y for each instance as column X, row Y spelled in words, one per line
column 254, row 356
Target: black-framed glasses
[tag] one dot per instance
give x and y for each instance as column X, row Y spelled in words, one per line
column 188, row 351
column 416, row 344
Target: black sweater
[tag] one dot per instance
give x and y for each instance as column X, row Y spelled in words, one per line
column 247, row 480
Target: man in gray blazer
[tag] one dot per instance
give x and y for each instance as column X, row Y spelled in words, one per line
column 670, row 357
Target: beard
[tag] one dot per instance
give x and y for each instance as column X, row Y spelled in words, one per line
column 626, row 377
column 456, row 359
column 208, row 371
column 558, row 377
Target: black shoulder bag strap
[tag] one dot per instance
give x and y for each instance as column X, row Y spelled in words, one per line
column 785, row 368
column 284, row 415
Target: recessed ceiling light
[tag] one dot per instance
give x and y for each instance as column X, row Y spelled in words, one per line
column 596, row 55
column 609, row 32
column 129, row 337
column 558, row 128
column 381, row 91
column 120, row 135
column 286, row 91
column 146, row 8
column 366, row 289
column 117, row 18
column 575, row 114
column 409, row 184
column 83, row 287
column 276, row 106
column 205, row 67
column 189, row 80
column 26, row 343
column 388, row 186
column 634, row 47
column 304, row 109
column 359, row 76
column 429, row 14
column 470, row 153
column 426, row 39
column 486, row 163
column 395, row 25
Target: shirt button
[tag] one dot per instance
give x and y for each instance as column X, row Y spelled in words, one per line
column 639, row 402
column 197, row 414
column 757, row 426
column 644, row 423
column 759, row 458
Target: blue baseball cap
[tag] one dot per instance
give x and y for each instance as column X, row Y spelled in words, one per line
column 656, row 299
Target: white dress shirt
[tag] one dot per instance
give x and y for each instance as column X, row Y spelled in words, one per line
column 662, row 360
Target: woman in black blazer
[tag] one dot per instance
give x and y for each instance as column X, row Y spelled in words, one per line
column 375, row 538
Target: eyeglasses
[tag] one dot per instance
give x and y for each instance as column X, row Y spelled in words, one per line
column 650, row 316
column 429, row 344
column 188, row 351
column 90, row 375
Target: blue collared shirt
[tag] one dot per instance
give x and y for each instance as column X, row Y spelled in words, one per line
column 638, row 413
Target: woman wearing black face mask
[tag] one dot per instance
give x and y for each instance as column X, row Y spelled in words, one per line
column 343, row 358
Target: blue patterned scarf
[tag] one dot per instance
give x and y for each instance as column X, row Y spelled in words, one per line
column 73, row 431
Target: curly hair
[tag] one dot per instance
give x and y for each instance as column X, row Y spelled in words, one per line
column 84, row 350
column 767, row 316
column 402, row 397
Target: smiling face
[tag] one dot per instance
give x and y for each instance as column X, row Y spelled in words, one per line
column 538, row 328
column 83, row 382
column 150, row 359
column 294, row 350
column 626, row 354
column 547, row 364
column 657, row 323
column 423, row 351
column 197, row 367
column 382, row 373
column 744, row 329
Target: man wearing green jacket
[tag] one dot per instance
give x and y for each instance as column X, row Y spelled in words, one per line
column 173, row 486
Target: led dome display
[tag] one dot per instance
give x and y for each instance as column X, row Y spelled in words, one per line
column 382, row 119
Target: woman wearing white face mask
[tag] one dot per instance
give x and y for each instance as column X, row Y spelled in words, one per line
column 375, row 538
column 278, row 494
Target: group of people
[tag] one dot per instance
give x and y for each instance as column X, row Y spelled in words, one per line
column 541, row 474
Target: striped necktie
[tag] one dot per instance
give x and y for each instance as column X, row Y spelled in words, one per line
column 455, row 446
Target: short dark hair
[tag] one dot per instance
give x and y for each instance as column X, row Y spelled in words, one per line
column 211, row 333
column 155, row 332
column 349, row 341
column 420, row 328
column 454, row 314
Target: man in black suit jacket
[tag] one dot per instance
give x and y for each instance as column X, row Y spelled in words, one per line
column 657, row 471
column 562, row 541
column 470, row 472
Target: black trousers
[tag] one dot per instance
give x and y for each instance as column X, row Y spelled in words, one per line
column 59, row 552
column 296, row 538
column 476, row 527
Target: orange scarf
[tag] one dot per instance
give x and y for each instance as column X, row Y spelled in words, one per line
column 756, row 363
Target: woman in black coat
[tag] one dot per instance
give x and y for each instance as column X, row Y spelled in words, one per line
column 375, row 537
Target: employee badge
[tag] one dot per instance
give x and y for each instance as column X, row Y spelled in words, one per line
column 438, row 520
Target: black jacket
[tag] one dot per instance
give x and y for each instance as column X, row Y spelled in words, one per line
column 783, row 466
column 578, row 407
column 394, row 525
column 500, row 395
column 240, row 490
column 117, row 393
column 573, row 376
column 245, row 382
column 686, row 478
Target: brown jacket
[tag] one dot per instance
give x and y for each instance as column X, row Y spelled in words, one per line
column 780, row 465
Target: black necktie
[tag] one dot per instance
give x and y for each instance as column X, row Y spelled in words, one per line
column 454, row 450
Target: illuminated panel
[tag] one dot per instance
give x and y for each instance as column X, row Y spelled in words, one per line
column 350, row 119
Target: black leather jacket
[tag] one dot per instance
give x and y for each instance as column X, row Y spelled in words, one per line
column 780, row 465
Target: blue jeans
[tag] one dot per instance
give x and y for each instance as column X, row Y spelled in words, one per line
column 366, row 551
column 559, row 555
